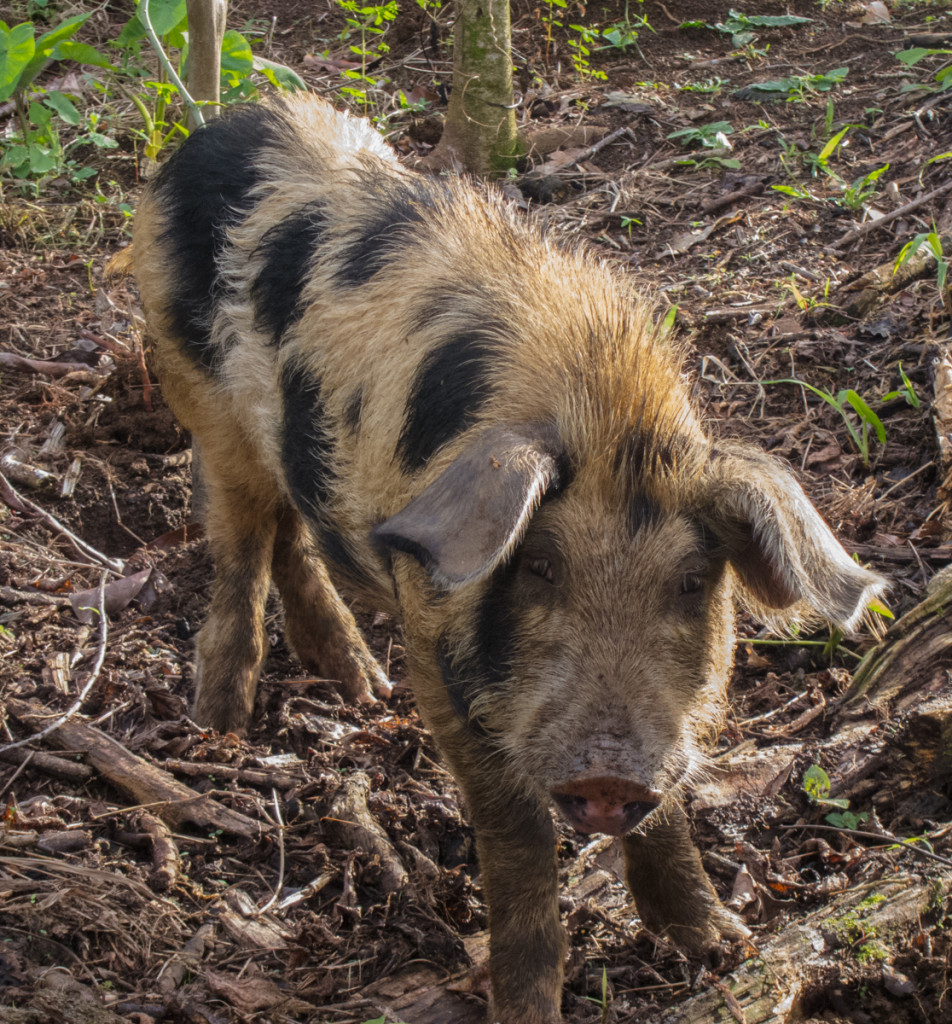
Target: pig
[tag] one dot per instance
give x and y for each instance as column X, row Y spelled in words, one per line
column 401, row 388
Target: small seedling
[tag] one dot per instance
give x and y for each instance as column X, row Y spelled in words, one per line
column 740, row 26
column 907, row 391
column 856, row 196
column 817, row 785
column 711, row 136
column 932, row 240
column 793, row 89
column 843, row 399
column 943, row 77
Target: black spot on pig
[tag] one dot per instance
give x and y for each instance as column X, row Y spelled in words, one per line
column 204, row 189
column 287, row 248
column 398, row 210
column 307, row 448
column 451, row 385
column 352, row 411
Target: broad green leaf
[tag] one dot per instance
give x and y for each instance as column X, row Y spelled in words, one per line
column 63, row 106
column 13, row 156
column 914, row 55
column 279, row 74
column 47, row 44
column 165, row 15
column 39, row 114
column 236, row 53
column 880, row 609
column 41, row 160
column 82, row 53
column 16, row 51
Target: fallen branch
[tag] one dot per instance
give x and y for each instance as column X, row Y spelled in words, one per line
column 149, row 787
column 166, row 865
column 11, row 361
column 50, row 764
column 16, row 501
column 875, row 225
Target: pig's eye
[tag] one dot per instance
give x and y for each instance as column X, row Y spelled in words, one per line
column 541, row 567
column 692, row 583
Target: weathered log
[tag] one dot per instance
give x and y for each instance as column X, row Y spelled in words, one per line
column 149, row 786
column 858, row 927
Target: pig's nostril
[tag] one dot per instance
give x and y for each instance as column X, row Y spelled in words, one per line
column 636, row 812
column 572, row 807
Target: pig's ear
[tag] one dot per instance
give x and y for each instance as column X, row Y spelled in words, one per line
column 776, row 541
column 469, row 519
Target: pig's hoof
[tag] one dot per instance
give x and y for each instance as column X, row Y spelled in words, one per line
column 704, row 937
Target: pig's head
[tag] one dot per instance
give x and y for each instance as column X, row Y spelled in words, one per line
column 582, row 615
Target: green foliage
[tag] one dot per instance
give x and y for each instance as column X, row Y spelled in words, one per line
column 796, row 88
column 943, row 77
column 844, row 401
column 370, row 22
column 907, row 391
column 711, row 136
column 38, row 151
column 740, row 27
column 856, row 196
column 932, row 241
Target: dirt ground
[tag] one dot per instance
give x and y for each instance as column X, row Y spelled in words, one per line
column 329, row 873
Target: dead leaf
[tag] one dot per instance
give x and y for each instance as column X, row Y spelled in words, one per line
column 117, row 595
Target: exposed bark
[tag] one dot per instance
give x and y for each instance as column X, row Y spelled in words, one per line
column 172, row 801
column 859, row 926
column 480, row 135
column 206, row 30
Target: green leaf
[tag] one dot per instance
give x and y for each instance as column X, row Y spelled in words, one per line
column 816, row 783
column 82, row 53
column 16, row 50
column 41, row 160
column 864, row 412
column 236, row 53
column 830, row 148
column 913, row 56
column 63, row 106
column 38, row 114
column 910, row 249
column 880, row 609
column 15, row 155
column 279, row 75
column 47, row 44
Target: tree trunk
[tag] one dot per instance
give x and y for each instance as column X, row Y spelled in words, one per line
column 480, row 135
column 206, row 29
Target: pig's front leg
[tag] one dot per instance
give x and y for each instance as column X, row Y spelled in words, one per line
column 516, row 843
column 671, row 888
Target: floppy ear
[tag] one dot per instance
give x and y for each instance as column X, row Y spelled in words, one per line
column 776, row 541
column 471, row 517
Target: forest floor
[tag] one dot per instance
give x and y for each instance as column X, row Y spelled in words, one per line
column 256, row 900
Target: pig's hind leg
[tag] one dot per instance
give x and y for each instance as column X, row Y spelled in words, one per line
column 319, row 625
column 673, row 894
column 240, row 525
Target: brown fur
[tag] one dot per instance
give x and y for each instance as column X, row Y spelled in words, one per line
column 550, row 642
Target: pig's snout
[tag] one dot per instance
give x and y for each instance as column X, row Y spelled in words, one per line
column 610, row 805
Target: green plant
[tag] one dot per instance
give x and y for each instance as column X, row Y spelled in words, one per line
column 819, row 161
column 907, row 391
column 931, row 240
column 740, row 26
column 816, row 784
column 943, row 77
column 624, row 33
column 796, row 88
column 856, row 196
column 711, row 136
column 37, row 151
column 602, row 1001
column 580, row 48
column 371, row 21
column 846, row 399
column 241, row 69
